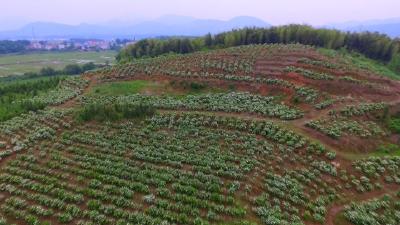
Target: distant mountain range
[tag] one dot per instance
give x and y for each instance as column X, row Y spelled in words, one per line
column 172, row 25
column 393, row 30
column 163, row 26
column 391, row 27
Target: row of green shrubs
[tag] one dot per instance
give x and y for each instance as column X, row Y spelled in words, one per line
column 113, row 112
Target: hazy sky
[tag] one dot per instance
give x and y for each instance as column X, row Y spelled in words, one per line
column 315, row 12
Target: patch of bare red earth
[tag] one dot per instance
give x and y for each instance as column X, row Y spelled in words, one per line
column 92, row 79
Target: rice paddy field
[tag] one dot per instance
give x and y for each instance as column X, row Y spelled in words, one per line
column 19, row 64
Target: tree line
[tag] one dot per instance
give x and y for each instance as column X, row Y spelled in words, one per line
column 7, row 46
column 373, row 45
column 15, row 95
column 17, row 91
column 70, row 69
column 32, row 86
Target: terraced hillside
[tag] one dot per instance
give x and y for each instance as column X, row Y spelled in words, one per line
column 259, row 134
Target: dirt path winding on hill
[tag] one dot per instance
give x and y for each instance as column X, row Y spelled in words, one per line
column 335, row 209
column 74, row 101
column 332, row 213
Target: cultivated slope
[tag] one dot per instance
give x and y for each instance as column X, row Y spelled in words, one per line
column 264, row 134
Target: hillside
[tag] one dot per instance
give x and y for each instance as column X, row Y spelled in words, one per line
column 256, row 134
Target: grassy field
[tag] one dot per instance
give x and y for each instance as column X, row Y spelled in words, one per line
column 19, row 64
column 152, row 87
column 122, row 88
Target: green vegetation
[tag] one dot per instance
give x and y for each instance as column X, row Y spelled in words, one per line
column 395, row 63
column 394, row 125
column 206, row 138
column 336, row 127
column 360, row 109
column 115, row 162
column 323, row 64
column 372, row 45
column 351, row 59
column 385, row 210
column 173, row 88
column 35, row 126
column 308, row 73
column 34, row 62
column 224, row 102
column 392, row 121
column 7, row 46
column 345, row 120
column 123, row 87
column 194, row 86
column 387, row 150
column 113, row 112
column 19, row 97
column 13, row 95
column 70, row 69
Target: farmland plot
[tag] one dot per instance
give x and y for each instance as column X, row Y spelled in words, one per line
column 260, row 150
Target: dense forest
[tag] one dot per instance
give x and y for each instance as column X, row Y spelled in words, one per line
column 373, row 45
column 13, row 46
column 17, row 92
column 13, row 95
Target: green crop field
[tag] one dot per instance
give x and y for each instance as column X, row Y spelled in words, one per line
column 19, row 64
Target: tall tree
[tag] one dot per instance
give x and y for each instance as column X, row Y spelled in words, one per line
column 208, row 40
